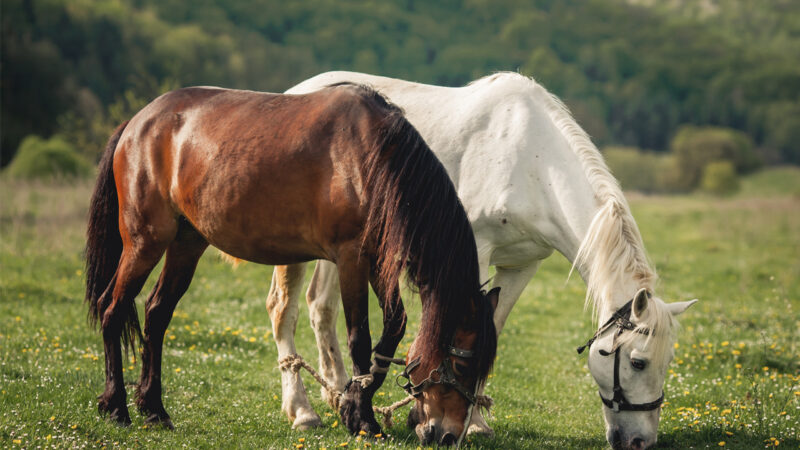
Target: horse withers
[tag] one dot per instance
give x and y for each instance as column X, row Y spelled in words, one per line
column 279, row 179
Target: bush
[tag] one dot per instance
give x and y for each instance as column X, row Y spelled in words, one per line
column 696, row 147
column 720, row 178
column 646, row 172
column 39, row 158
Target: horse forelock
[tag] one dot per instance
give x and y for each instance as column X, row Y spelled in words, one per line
column 660, row 326
column 420, row 226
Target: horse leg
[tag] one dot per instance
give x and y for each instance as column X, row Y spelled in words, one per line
column 287, row 281
column 513, row 282
column 323, row 309
column 179, row 266
column 394, row 328
column 134, row 267
column 356, row 402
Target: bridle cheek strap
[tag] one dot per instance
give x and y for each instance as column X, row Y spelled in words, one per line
column 619, row 402
column 447, row 377
column 620, row 319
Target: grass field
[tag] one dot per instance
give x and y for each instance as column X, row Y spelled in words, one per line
column 735, row 381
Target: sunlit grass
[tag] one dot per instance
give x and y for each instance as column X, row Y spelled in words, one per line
column 735, row 381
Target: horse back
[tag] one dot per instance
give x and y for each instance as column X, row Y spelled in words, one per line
column 265, row 177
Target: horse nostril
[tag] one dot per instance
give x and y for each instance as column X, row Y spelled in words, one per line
column 428, row 434
column 637, row 444
column 615, row 439
column 448, row 439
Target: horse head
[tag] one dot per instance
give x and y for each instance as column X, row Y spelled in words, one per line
column 628, row 358
column 445, row 382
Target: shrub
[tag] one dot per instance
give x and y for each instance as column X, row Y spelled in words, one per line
column 696, row 147
column 39, row 158
column 646, row 172
column 720, row 178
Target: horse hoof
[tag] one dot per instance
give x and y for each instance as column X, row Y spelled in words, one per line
column 157, row 420
column 478, row 430
column 117, row 414
column 356, row 412
column 306, row 422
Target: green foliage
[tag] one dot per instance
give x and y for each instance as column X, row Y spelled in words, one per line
column 635, row 71
column 646, row 172
column 719, row 178
column 52, row 158
column 696, row 147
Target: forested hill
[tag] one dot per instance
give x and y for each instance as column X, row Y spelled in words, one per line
column 632, row 71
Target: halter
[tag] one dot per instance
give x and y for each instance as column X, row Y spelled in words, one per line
column 621, row 319
column 445, row 376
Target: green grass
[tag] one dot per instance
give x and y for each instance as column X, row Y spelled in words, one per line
column 735, row 378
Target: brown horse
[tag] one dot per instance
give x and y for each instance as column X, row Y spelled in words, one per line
column 279, row 179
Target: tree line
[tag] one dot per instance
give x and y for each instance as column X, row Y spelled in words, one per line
column 633, row 73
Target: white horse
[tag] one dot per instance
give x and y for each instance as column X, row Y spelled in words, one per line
column 531, row 181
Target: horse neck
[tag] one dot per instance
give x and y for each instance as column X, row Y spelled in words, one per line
column 589, row 220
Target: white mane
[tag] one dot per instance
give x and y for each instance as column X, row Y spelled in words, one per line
column 612, row 248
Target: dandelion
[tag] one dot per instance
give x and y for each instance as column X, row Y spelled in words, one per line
column 725, row 343
column 335, row 424
column 177, row 370
column 721, row 443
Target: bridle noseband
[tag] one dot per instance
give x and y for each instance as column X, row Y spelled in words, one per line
column 621, row 319
column 445, row 376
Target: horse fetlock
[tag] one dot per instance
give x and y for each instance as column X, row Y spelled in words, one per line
column 356, row 411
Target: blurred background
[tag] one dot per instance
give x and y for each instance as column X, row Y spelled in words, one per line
column 680, row 95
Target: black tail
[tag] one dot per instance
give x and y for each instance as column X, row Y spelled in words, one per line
column 104, row 245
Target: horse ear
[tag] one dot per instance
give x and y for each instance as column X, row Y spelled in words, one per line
column 640, row 301
column 494, row 297
column 676, row 308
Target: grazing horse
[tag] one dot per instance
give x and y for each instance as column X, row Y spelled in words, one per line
column 531, row 181
column 339, row 175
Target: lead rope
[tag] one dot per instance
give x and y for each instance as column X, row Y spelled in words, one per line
column 295, row 362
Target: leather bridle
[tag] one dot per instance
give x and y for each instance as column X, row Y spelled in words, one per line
column 621, row 320
column 444, row 375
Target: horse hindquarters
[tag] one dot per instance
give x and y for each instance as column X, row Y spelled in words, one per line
column 109, row 283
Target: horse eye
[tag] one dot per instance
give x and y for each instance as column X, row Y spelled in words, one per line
column 638, row 364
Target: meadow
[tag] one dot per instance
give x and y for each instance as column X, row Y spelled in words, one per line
column 734, row 383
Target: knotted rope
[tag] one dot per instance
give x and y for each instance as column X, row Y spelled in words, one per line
column 295, row 362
